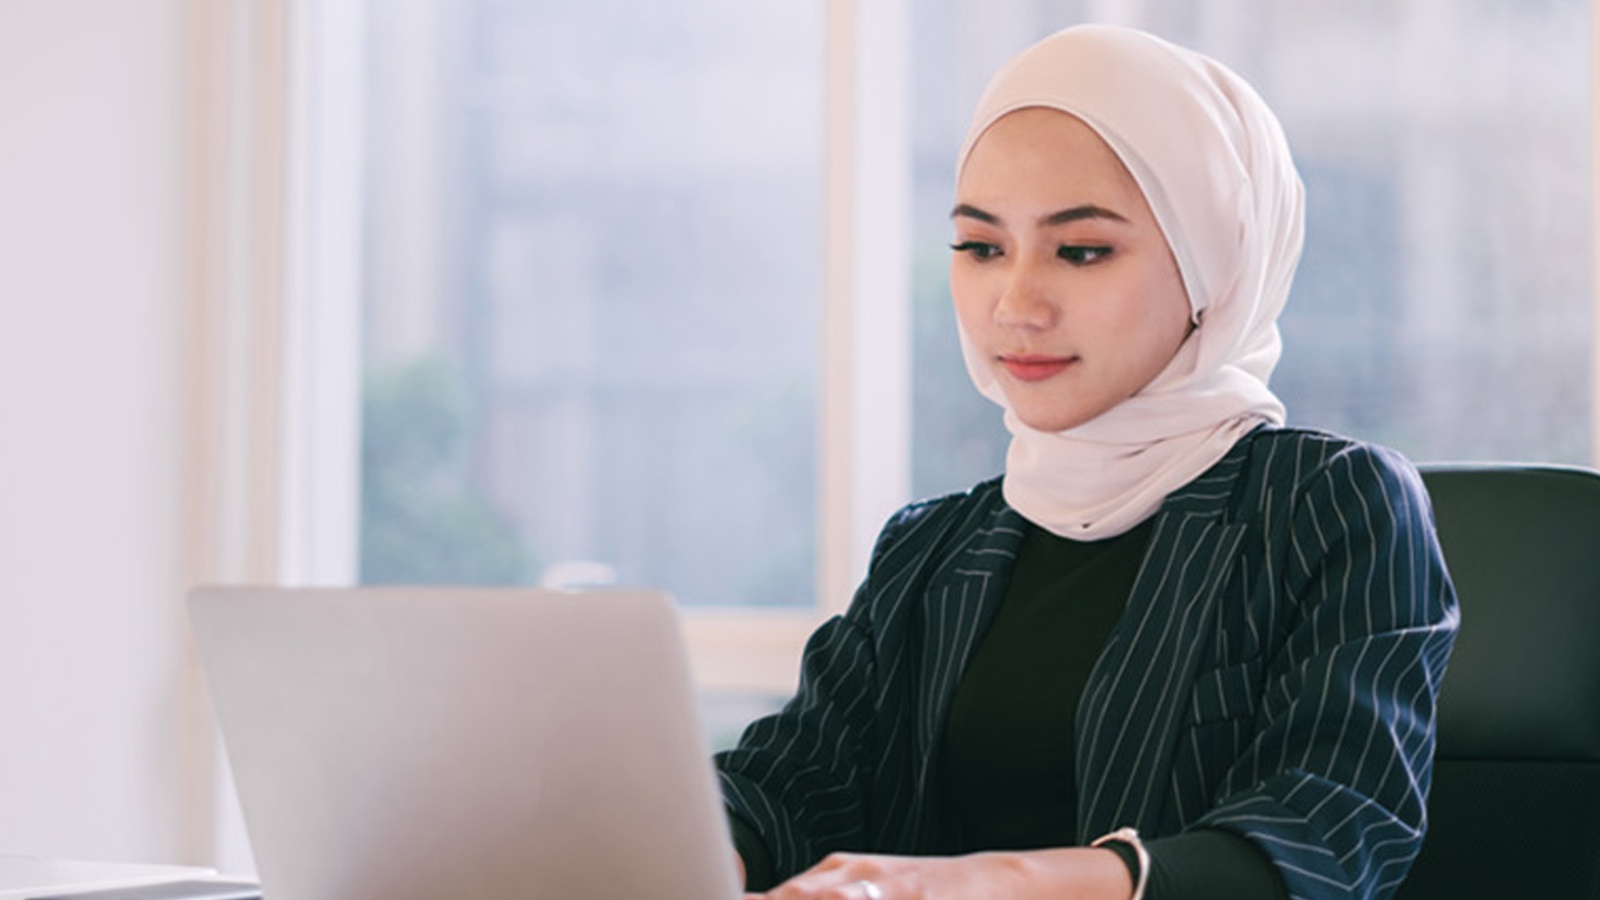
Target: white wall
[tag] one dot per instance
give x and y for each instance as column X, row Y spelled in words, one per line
column 91, row 677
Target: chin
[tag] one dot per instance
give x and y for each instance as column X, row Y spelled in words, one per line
column 1053, row 423
column 1057, row 413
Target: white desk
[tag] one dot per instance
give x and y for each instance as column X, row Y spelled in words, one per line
column 26, row 876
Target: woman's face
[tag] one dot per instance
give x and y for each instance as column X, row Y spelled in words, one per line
column 1063, row 282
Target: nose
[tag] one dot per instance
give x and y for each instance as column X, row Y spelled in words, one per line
column 1026, row 300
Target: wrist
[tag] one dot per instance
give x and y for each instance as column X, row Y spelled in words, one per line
column 1130, row 851
column 1089, row 873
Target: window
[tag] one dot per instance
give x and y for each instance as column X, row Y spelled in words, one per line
column 591, row 320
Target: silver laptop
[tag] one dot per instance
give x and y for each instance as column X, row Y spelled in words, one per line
column 418, row 744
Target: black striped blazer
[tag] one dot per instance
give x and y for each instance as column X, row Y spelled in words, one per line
column 1274, row 673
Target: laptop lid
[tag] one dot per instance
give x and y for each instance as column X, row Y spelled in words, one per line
column 404, row 743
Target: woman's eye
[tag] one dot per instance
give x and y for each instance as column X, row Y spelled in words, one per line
column 1083, row 254
column 977, row 249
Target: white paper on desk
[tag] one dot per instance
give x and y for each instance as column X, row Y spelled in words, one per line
column 28, row 876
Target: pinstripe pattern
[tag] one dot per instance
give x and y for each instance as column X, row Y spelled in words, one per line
column 1274, row 674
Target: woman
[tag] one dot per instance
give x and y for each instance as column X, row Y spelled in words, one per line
column 1178, row 650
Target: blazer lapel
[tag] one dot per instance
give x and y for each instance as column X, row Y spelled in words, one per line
column 1134, row 703
column 958, row 605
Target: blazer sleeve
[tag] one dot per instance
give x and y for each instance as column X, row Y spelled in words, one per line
column 798, row 778
column 1334, row 784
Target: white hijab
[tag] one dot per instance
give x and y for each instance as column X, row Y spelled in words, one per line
column 1215, row 168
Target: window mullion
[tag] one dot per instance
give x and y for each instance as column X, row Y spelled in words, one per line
column 1594, row 212
column 320, row 500
column 866, row 376
column 836, row 419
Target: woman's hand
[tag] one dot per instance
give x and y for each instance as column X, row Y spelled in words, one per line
column 1077, row 872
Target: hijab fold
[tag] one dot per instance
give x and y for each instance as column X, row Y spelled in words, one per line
column 1215, row 168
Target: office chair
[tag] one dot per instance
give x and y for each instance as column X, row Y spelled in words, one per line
column 1515, row 808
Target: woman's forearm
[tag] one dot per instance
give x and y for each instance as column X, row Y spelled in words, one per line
column 1077, row 872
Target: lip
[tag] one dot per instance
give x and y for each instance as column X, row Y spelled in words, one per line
column 1033, row 367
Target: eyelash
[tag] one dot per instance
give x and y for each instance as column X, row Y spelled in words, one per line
column 1084, row 254
column 977, row 249
column 1075, row 254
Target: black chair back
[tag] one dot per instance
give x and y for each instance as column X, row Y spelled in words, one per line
column 1515, row 808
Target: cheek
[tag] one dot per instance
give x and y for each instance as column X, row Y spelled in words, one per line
column 1163, row 317
column 966, row 292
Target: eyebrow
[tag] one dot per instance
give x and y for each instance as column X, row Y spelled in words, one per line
column 1074, row 214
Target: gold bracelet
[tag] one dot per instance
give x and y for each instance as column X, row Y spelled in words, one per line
column 1130, row 837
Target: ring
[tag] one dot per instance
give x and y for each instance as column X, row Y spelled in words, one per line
column 869, row 890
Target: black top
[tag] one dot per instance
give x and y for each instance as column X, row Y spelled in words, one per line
column 1009, row 742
